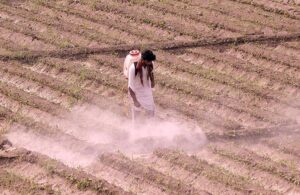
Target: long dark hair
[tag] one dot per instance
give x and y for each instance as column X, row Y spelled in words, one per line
column 149, row 56
column 140, row 72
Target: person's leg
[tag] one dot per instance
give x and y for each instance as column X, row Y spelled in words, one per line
column 137, row 116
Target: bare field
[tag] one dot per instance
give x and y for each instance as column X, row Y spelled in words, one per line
column 227, row 95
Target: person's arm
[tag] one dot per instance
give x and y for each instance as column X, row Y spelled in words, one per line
column 152, row 80
column 135, row 101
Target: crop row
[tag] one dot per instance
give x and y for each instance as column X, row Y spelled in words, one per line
column 41, row 31
column 248, row 67
column 53, row 32
column 53, row 35
column 273, row 56
column 171, row 23
column 292, row 2
column 74, row 92
column 29, row 99
column 100, row 24
column 166, row 183
column 283, row 147
column 293, row 44
column 21, row 185
column 276, row 66
column 37, row 89
column 242, row 68
column 11, row 46
column 261, row 162
column 212, row 15
column 222, row 78
column 59, row 24
column 16, row 34
column 265, row 5
column 259, row 17
column 74, row 177
column 239, row 83
column 20, row 71
column 254, row 133
column 201, row 16
column 212, row 172
column 89, row 29
column 42, row 129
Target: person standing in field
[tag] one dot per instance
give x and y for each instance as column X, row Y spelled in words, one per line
column 140, row 84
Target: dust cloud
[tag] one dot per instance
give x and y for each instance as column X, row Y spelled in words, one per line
column 105, row 131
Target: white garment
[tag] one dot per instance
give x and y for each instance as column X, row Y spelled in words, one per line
column 143, row 93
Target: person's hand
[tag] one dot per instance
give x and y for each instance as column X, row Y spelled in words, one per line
column 137, row 104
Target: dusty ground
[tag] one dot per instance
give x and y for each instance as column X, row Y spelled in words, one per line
column 228, row 108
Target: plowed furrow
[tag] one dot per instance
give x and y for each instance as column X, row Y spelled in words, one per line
column 40, row 31
column 42, row 130
column 226, row 8
column 247, row 68
column 254, row 133
column 165, row 182
column 124, row 180
column 10, row 46
column 221, row 92
column 294, row 44
column 263, row 163
column 279, row 9
column 236, row 82
column 284, row 49
column 99, row 32
column 214, row 173
column 40, row 176
column 262, row 149
column 195, row 179
column 69, row 93
column 292, row 3
column 29, row 99
column 171, row 23
column 35, row 88
column 72, row 177
column 205, row 17
column 239, row 83
column 268, row 181
column 283, row 146
column 273, row 56
column 111, row 20
column 17, row 35
column 264, row 67
column 85, row 36
column 53, row 31
column 21, row 71
column 264, row 18
column 16, row 183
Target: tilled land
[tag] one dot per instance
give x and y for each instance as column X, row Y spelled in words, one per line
column 231, row 67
